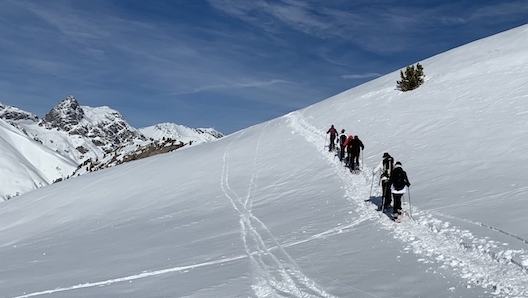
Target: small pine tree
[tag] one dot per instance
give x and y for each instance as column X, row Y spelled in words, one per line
column 412, row 78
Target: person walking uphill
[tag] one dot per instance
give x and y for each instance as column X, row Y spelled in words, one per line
column 342, row 139
column 398, row 182
column 385, row 168
column 333, row 133
column 357, row 146
column 385, row 165
column 348, row 145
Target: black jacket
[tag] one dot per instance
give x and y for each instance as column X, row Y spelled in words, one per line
column 357, row 144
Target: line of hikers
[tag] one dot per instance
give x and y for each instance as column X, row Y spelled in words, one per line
column 393, row 179
column 351, row 144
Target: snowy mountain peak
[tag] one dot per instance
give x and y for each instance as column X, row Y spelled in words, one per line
column 65, row 115
column 101, row 127
column 85, row 139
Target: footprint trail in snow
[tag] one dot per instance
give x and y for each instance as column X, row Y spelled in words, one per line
column 481, row 262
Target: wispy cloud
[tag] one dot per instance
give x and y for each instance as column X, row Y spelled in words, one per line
column 235, row 86
column 361, row 76
column 379, row 27
column 501, row 9
column 371, row 28
column 272, row 16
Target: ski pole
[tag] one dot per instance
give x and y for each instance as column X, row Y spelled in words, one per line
column 383, row 195
column 372, row 184
column 362, row 164
column 410, row 206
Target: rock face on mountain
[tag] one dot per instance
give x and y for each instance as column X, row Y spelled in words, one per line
column 95, row 138
column 66, row 115
column 14, row 114
column 104, row 127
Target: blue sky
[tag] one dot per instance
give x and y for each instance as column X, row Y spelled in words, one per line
column 226, row 64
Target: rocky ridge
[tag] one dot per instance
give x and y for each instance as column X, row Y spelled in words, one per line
column 98, row 138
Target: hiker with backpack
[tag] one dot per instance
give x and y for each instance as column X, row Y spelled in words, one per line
column 342, row 139
column 333, row 133
column 348, row 145
column 385, row 168
column 399, row 183
column 357, row 146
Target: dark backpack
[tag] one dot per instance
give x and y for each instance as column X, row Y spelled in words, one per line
column 398, row 179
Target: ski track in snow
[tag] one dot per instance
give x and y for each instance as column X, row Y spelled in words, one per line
column 480, row 261
column 144, row 274
column 274, row 272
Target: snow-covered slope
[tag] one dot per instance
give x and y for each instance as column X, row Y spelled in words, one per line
column 269, row 212
column 27, row 164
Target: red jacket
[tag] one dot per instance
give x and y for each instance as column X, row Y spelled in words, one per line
column 348, row 140
column 332, row 131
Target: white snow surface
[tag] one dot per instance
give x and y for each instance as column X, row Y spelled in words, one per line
column 27, row 164
column 269, row 212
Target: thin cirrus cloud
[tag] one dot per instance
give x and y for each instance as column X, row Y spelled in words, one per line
column 138, row 49
column 296, row 15
column 378, row 28
column 501, row 10
column 255, row 84
column 362, row 27
column 361, row 76
column 151, row 53
column 319, row 21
